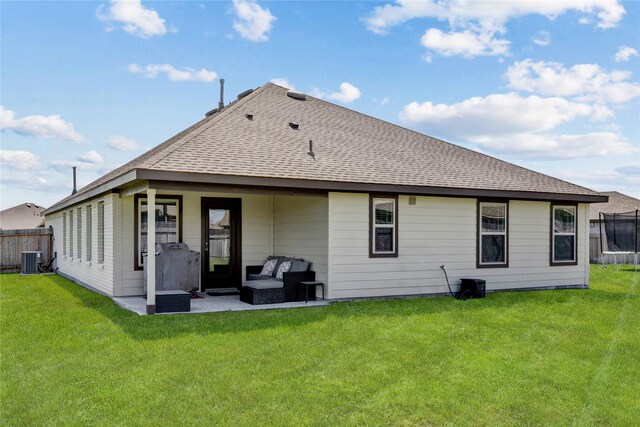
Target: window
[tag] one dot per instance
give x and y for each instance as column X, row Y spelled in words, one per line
column 79, row 234
column 89, row 234
column 100, row 232
column 563, row 235
column 64, row 233
column 168, row 222
column 71, row 233
column 383, row 238
column 492, row 234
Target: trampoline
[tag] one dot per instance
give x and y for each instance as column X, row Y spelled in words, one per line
column 620, row 234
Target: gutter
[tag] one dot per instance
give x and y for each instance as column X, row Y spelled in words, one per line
column 306, row 184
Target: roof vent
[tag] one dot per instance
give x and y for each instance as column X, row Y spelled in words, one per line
column 245, row 93
column 212, row 112
column 311, row 153
column 294, row 125
column 296, row 95
column 74, row 181
column 249, row 116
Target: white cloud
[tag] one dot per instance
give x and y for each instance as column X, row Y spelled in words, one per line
column 121, row 143
column 317, row 93
column 464, row 43
column 89, row 161
column 542, row 38
column 30, row 181
column 461, row 12
column 586, row 82
column 151, row 71
column 473, row 24
column 38, row 126
column 625, row 53
column 134, row 18
column 254, row 22
column 66, row 165
column 283, row 82
column 550, row 146
column 604, row 179
column 382, row 102
column 500, row 114
column 511, row 124
column 348, row 93
column 92, row 157
column 19, row 160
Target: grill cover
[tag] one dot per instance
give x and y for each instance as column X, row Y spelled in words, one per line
column 177, row 268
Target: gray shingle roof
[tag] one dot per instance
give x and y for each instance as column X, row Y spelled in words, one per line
column 349, row 147
column 618, row 203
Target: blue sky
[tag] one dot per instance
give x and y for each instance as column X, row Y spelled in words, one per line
column 552, row 86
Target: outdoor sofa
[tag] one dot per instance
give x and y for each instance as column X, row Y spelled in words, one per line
column 274, row 288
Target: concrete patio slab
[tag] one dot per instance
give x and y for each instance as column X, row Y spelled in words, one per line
column 213, row 304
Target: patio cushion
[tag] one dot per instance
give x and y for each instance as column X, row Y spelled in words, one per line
column 265, row 284
column 299, row 265
column 269, row 267
column 283, row 268
column 259, row 277
column 280, row 260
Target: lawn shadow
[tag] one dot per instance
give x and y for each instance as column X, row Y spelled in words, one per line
column 169, row 326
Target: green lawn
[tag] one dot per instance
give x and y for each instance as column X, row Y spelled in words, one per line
column 572, row 357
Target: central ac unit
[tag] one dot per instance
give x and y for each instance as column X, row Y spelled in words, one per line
column 30, row 262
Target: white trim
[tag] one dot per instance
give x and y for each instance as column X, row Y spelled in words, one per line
column 151, row 242
column 493, row 233
column 554, row 233
column 393, row 226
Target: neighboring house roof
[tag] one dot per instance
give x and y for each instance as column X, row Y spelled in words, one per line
column 24, row 216
column 252, row 138
column 618, row 203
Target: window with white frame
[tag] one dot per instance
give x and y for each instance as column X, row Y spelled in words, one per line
column 79, row 234
column 492, row 236
column 71, row 233
column 383, row 226
column 100, row 232
column 167, row 217
column 89, row 254
column 563, row 234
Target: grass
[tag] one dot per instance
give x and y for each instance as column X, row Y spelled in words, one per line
column 72, row 357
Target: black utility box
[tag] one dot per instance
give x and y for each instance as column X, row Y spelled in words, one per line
column 473, row 288
column 172, row 301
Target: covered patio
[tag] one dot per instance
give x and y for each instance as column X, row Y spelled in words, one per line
column 249, row 224
column 214, row 304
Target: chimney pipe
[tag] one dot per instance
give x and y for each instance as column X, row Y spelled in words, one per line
column 221, row 103
column 74, row 182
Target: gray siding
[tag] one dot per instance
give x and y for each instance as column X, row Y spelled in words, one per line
column 99, row 276
column 300, row 229
column 438, row 231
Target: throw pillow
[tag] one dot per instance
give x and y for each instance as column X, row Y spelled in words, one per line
column 284, row 267
column 268, row 267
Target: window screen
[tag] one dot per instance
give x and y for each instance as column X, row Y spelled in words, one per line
column 493, row 234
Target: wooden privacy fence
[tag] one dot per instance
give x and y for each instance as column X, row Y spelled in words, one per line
column 14, row 242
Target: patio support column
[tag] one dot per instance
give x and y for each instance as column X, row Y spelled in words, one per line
column 151, row 251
